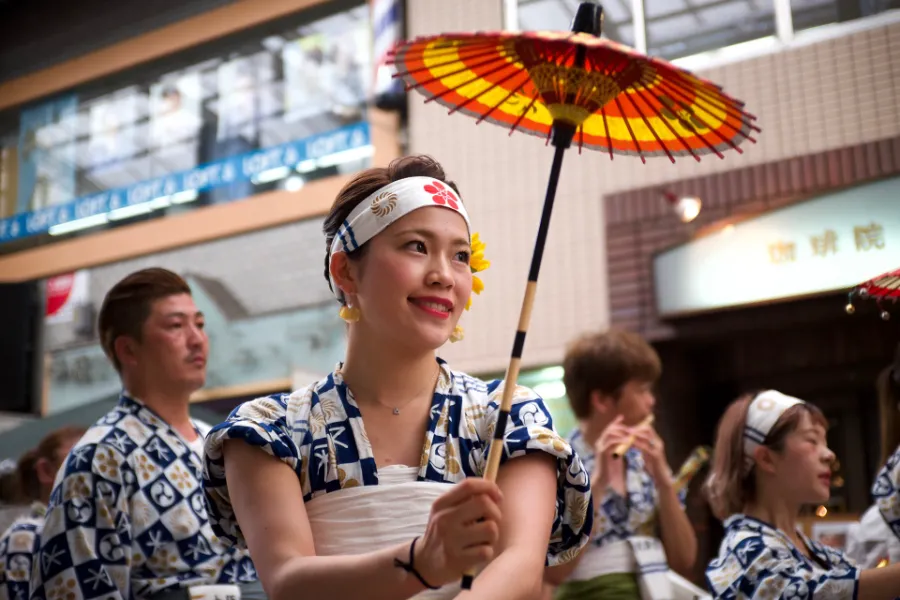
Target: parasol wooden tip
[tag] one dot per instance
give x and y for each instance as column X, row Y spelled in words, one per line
column 588, row 19
column 624, row 446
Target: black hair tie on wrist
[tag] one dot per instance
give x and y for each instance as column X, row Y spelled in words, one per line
column 410, row 566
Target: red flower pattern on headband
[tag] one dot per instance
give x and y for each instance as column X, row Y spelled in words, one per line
column 442, row 195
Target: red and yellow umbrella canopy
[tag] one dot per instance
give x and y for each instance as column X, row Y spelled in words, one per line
column 621, row 101
column 885, row 287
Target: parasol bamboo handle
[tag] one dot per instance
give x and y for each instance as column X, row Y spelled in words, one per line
column 562, row 139
column 509, row 389
column 624, row 446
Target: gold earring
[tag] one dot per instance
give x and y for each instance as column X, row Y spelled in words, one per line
column 349, row 314
column 458, row 334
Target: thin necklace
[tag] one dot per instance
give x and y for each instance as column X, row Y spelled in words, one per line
column 396, row 409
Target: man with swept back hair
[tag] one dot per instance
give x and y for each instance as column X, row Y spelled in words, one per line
column 127, row 517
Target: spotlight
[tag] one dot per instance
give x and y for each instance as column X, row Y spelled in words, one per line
column 686, row 207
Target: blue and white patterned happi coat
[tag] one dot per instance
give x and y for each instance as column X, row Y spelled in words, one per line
column 17, row 548
column 621, row 517
column 759, row 562
column 127, row 517
column 319, row 432
column 886, row 491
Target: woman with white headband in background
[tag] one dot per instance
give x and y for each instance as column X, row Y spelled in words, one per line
column 771, row 457
column 366, row 484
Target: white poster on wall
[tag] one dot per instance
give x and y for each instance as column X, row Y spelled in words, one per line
column 64, row 293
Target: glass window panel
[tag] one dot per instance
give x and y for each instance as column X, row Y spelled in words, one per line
column 216, row 124
column 807, row 14
column 557, row 15
column 662, row 8
column 677, row 28
column 8, row 174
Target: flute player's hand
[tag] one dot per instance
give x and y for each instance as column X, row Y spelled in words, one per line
column 654, row 451
column 610, row 470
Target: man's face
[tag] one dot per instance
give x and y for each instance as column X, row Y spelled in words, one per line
column 174, row 345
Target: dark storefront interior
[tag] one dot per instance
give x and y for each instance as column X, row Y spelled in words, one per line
column 809, row 348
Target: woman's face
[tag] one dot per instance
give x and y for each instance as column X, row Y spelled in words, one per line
column 413, row 282
column 803, row 468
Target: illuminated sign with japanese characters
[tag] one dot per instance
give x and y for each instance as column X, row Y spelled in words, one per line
column 829, row 243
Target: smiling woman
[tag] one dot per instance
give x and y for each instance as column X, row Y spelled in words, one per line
column 377, row 468
column 417, row 272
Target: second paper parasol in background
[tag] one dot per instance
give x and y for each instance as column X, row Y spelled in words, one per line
column 570, row 87
column 883, row 290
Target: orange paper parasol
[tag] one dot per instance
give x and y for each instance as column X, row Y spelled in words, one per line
column 570, row 87
column 620, row 101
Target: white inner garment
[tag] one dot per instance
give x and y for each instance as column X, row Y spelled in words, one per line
column 618, row 557
column 612, row 557
column 197, row 445
column 363, row 519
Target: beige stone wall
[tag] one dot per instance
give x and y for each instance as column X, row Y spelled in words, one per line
column 807, row 99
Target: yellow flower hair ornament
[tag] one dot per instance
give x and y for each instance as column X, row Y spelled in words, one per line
column 477, row 263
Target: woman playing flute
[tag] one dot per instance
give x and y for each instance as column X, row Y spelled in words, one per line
column 366, row 484
column 640, row 527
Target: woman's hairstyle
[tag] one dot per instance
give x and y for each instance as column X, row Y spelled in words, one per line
column 730, row 485
column 26, row 470
column 888, row 386
column 367, row 183
column 605, row 362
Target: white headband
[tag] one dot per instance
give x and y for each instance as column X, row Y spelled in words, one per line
column 383, row 207
column 764, row 412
